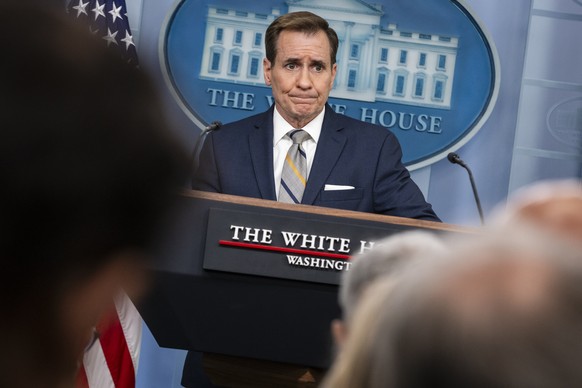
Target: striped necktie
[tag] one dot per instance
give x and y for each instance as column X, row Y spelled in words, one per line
column 294, row 174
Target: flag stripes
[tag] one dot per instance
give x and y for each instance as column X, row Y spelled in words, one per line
column 112, row 361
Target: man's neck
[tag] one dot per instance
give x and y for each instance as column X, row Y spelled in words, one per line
column 298, row 124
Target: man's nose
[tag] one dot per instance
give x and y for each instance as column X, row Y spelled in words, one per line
column 304, row 78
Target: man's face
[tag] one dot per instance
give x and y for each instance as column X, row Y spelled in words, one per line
column 301, row 77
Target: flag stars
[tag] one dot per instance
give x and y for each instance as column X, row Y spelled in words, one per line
column 115, row 12
column 128, row 40
column 98, row 10
column 110, row 37
column 107, row 19
column 81, row 8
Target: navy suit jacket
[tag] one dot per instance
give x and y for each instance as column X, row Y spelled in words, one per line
column 238, row 159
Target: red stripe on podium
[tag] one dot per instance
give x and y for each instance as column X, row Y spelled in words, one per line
column 283, row 249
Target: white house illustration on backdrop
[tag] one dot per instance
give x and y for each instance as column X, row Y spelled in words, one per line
column 375, row 62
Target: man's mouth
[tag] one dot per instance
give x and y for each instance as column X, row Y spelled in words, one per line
column 295, row 97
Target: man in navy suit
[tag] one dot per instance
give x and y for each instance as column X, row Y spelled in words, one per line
column 348, row 164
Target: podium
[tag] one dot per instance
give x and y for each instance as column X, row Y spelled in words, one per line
column 231, row 281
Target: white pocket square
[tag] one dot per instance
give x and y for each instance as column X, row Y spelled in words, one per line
column 337, row 187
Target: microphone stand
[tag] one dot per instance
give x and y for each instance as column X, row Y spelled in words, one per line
column 456, row 159
column 200, row 142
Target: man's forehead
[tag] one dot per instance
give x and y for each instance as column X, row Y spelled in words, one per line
column 299, row 45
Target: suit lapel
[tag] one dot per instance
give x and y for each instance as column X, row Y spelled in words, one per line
column 261, row 149
column 329, row 148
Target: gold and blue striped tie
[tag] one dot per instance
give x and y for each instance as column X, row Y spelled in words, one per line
column 294, row 176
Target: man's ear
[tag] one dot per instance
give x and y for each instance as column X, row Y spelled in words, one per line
column 333, row 74
column 339, row 332
column 267, row 71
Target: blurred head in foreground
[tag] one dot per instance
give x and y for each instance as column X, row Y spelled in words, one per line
column 501, row 312
column 388, row 257
column 555, row 206
column 88, row 172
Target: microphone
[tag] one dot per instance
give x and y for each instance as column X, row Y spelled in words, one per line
column 213, row 126
column 456, row 159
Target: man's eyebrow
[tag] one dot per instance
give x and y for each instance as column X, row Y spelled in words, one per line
column 297, row 60
column 318, row 63
column 291, row 60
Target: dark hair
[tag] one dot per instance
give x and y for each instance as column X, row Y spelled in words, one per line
column 303, row 21
column 87, row 165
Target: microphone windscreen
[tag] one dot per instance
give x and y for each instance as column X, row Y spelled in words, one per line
column 453, row 157
column 213, row 126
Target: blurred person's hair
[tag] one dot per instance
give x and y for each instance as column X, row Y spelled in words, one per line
column 554, row 206
column 301, row 21
column 500, row 312
column 539, row 192
column 387, row 257
column 88, row 171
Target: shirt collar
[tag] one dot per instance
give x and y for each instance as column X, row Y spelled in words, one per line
column 281, row 127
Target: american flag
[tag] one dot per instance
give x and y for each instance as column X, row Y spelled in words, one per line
column 111, row 362
column 108, row 20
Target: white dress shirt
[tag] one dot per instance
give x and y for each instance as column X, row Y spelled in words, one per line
column 282, row 143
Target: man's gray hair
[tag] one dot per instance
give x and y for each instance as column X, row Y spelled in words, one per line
column 385, row 258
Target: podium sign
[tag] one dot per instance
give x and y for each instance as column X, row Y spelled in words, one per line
column 285, row 247
column 258, row 279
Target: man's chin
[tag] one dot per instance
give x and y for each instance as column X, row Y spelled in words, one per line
column 306, row 111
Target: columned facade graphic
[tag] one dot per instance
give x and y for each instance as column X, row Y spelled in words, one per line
column 376, row 62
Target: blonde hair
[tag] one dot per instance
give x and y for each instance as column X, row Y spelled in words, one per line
column 355, row 364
